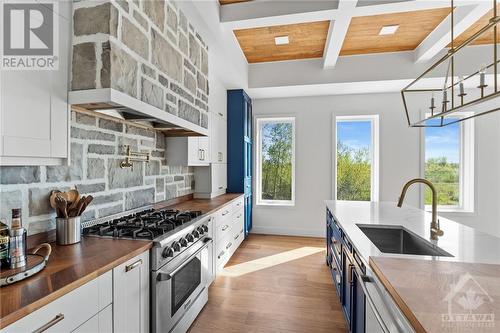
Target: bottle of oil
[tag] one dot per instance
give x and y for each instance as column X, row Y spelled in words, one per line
column 17, row 241
column 4, row 246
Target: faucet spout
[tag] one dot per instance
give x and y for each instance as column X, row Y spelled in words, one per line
column 435, row 230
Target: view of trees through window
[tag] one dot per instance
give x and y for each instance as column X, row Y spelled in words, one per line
column 442, row 167
column 354, row 165
column 276, row 159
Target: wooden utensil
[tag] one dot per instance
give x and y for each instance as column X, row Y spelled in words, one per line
column 74, row 211
column 62, row 206
column 73, row 197
column 52, row 198
column 87, row 202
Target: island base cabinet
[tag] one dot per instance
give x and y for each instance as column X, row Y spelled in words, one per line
column 131, row 295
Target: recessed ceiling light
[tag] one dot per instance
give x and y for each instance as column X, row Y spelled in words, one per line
column 388, row 30
column 282, row 40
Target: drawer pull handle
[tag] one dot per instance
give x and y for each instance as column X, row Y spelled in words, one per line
column 225, row 213
column 220, row 255
column 51, row 323
column 238, row 216
column 229, row 245
column 130, row 267
column 220, row 188
column 238, row 204
column 224, row 228
column 241, row 231
column 236, row 237
column 220, row 114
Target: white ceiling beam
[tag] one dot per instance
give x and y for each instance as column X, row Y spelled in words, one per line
column 254, row 14
column 337, row 32
column 464, row 17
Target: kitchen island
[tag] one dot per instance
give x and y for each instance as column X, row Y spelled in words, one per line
column 391, row 292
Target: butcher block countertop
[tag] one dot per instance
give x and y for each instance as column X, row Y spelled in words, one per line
column 443, row 296
column 71, row 266
column 68, row 268
column 206, row 206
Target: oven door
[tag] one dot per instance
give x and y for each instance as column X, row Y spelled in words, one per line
column 177, row 285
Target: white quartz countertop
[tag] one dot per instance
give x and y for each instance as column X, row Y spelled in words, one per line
column 464, row 243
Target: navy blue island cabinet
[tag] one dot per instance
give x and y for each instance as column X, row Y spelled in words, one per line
column 239, row 149
column 344, row 264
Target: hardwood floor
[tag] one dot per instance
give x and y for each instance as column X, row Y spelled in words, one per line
column 273, row 284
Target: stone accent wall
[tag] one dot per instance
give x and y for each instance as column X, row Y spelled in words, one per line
column 146, row 49
column 97, row 147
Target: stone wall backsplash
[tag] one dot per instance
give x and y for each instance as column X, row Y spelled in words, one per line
column 97, row 147
column 146, row 49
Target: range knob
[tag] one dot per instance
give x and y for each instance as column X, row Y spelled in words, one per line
column 176, row 246
column 190, row 238
column 200, row 230
column 183, row 242
column 195, row 234
column 168, row 252
column 205, row 228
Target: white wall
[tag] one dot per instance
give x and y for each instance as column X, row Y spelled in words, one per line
column 399, row 157
column 400, row 160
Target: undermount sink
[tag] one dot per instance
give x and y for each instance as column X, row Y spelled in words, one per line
column 397, row 239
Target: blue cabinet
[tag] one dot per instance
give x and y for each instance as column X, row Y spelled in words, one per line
column 239, row 149
column 346, row 267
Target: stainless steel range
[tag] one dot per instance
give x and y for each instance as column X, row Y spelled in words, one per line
column 181, row 260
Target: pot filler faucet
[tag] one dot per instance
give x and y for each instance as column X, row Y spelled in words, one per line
column 435, row 231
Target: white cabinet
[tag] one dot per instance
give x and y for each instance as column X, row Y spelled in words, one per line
column 131, row 295
column 72, row 311
column 211, row 182
column 218, row 139
column 34, row 111
column 189, row 151
column 229, row 232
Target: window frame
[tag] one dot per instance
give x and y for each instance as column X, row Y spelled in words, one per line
column 375, row 152
column 466, row 169
column 259, row 120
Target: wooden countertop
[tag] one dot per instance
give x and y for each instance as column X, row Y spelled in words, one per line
column 441, row 296
column 74, row 265
column 68, row 268
column 207, row 206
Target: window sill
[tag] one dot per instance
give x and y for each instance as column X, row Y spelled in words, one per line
column 275, row 204
column 451, row 210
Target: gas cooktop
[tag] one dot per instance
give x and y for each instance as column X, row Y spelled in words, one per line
column 146, row 224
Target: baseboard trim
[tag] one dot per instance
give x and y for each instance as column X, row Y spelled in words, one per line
column 288, row 231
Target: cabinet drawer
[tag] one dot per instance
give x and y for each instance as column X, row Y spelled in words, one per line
column 238, row 204
column 65, row 313
column 223, row 224
column 222, row 254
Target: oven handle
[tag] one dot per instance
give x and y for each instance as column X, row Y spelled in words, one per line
column 167, row 276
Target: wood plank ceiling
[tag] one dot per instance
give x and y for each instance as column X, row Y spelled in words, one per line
column 306, row 40
column 486, row 38
column 363, row 34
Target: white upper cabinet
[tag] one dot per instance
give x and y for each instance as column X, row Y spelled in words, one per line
column 34, row 112
column 190, row 151
column 218, row 139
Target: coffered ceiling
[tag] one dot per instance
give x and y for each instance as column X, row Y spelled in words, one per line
column 306, row 40
column 412, row 28
column 486, row 39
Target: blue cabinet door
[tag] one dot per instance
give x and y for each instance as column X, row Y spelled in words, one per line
column 347, row 289
column 358, row 305
column 240, row 149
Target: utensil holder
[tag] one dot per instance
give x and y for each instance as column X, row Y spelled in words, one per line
column 68, row 230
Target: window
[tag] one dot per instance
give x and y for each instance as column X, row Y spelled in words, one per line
column 449, row 165
column 275, row 158
column 357, row 158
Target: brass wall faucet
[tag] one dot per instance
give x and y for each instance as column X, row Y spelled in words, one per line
column 435, row 230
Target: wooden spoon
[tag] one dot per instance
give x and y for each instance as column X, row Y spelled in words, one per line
column 62, row 205
column 52, row 198
column 75, row 209
column 87, row 202
column 73, row 196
